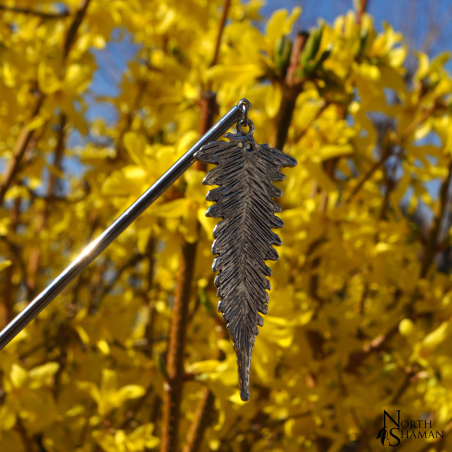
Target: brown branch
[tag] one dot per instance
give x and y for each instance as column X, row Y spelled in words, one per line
column 208, row 101
column 16, row 253
column 35, row 255
column 86, row 426
column 224, row 16
column 58, row 157
column 325, row 105
column 94, row 287
column 200, row 421
column 290, row 91
column 132, row 414
column 149, row 333
column 138, row 257
column 156, row 414
column 345, row 394
column 141, row 91
column 52, row 198
column 75, row 25
column 410, row 372
column 176, row 347
column 7, row 306
column 206, row 404
column 258, row 423
column 33, row 349
column 377, row 344
column 26, row 440
column 368, row 175
column 417, row 122
column 18, row 152
column 432, row 244
column 298, row 46
column 62, row 361
column 31, row 12
column 390, row 186
column 361, row 10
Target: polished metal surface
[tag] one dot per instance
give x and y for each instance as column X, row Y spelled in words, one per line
column 243, row 240
column 131, row 214
column 245, row 105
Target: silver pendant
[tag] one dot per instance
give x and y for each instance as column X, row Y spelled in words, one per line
column 244, row 239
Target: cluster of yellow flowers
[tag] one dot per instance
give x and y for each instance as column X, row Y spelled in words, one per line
column 360, row 313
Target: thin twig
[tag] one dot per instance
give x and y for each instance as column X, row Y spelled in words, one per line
column 205, row 405
column 16, row 252
column 138, row 257
column 368, row 175
column 408, row 131
column 361, row 10
column 377, row 344
column 132, row 415
column 26, row 440
column 25, row 133
column 438, row 441
column 208, row 101
column 149, row 332
column 224, row 16
column 18, row 152
column 35, row 255
column 32, row 12
column 200, row 421
column 8, row 297
column 432, row 244
column 75, row 25
column 134, row 108
column 319, row 113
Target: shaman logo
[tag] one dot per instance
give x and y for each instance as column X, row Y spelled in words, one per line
column 405, row 429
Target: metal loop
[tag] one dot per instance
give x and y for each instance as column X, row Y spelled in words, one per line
column 242, row 123
column 245, row 105
column 245, row 114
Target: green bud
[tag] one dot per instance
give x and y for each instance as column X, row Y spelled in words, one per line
column 312, row 46
column 313, row 66
column 362, row 43
column 283, row 49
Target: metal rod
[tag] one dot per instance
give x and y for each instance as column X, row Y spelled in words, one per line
column 131, row 214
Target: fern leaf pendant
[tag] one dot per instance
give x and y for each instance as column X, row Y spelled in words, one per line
column 243, row 240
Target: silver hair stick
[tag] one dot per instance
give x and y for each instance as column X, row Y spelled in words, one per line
column 126, row 219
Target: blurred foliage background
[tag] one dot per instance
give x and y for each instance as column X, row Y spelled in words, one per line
column 133, row 355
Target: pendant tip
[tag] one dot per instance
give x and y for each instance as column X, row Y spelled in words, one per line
column 244, row 363
column 245, row 396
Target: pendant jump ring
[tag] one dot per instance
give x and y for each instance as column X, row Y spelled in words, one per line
column 245, row 105
column 245, row 114
column 242, row 123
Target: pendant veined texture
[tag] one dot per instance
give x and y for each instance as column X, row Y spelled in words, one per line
column 243, row 240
